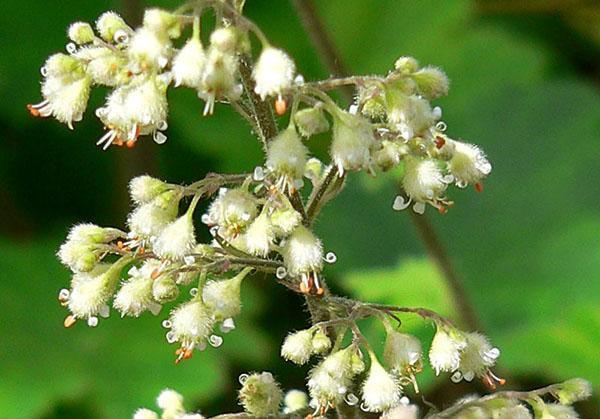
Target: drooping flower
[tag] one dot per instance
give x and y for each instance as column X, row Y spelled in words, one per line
column 135, row 295
column 273, row 73
column 260, row 394
column 424, row 183
column 303, row 256
column 381, row 390
column 286, row 159
column 232, row 211
column 188, row 64
column 223, row 296
column 446, row 349
column 297, row 347
column 468, row 163
column 476, row 358
column 352, row 142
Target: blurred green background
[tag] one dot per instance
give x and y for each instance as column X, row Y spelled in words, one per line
column 525, row 86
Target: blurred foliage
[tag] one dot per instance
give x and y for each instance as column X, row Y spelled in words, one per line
column 525, row 87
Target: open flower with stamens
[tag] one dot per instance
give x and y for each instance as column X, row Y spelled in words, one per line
column 476, row 359
column 232, row 211
column 66, row 90
column 402, row 353
column 303, row 256
column 191, row 325
column 468, row 163
column 274, row 72
column 409, row 115
column 148, row 51
column 104, row 65
column 424, row 183
column 138, row 108
column 286, row 159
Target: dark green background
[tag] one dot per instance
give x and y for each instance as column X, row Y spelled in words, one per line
column 525, row 79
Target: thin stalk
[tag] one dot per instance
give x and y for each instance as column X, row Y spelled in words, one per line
column 333, row 60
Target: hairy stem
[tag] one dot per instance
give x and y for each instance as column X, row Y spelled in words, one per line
column 330, row 56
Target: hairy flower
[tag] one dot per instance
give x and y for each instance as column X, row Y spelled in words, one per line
column 233, row 210
column 286, row 159
column 352, row 142
column 177, row 239
column 424, row 182
column 188, row 64
column 191, row 324
column 446, row 348
column 135, row 295
column 468, row 163
column 381, row 390
column 274, row 72
column 260, row 394
column 476, row 357
column 297, row 347
column 223, row 296
column 259, row 236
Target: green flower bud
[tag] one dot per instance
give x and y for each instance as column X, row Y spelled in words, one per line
column 81, row 33
column 295, row 400
column 431, row 82
column 145, row 188
column 388, row 156
column 320, row 342
column 311, row 121
column 260, row 394
column 162, row 22
column 109, row 23
column 574, row 390
column 223, row 297
column 406, row 65
column 165, row 289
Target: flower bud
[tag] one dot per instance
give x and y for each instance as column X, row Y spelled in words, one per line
column 406, row 65
column 150, row 219
column 260, row 394
column 381, row 391
column 78, row 256
column 320, row 342
column 144, row 189
column 162, row 22
column 223, row 297
column 188, row 64
column 273, row 73
column 329, row 381
column 109, row 23
column 311, row 121
column 351, row 143
column 284, row 218
column 225, row 39
column 219, row 78
column 410, row 115
column 303, row 252
column 558, row 411
column 164, row 289
column 148, row 50
column 145, row 414
column 171, row 402
column 105, row 66
column 431, row 82
column 259, row 236
column 313, row 170
column 286, row 158
column 62, row 66
column 446, row 349
column 81, row 33
column 573, row 390
column 295, row 400
column 402, row 352
column 297, row 347
column 177, row 240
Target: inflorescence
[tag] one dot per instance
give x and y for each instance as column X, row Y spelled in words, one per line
column 262, row 221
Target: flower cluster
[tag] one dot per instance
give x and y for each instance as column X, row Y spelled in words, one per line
column 141, row 64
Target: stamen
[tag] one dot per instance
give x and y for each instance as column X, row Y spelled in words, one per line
column 280, row 106
column 479, row 187
column 69, row 321
column 439, row 142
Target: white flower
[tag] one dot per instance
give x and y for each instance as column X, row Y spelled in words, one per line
column 219, row 78
column 476, row 357
column 411, row 115
column 139, row 108
column 144, row 189
column 224, row 39
column 81, row 33
column 65, row 90
column 223, row 297
column 162, row 22
column 78, row 256
column 380, row 391
column 148, row 220
column 402, row 352
column 311, row 121
column 446, row 349
column 188, row 64
column 468, row 163
column 320, row 342
column 351, row 143
column 135, row 295
column 89, row 293
column 329, row 381
column 431, row 82
column 148, row 50
column 286, row 159
column 109, row 24
column 91, row 233
column 260, row 395
column 274, row 72
column 170, row 401
column 303, row 255
column 297, row 347
column 295, row 400
column 145, row 414
column 177, row 239
column 191, row 324
column 284, row 218
column 259, row 236
column 104, row 65
column 424, row 183
column 233, row 210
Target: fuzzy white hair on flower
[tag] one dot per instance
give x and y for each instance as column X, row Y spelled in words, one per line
column 303, row 256
column 233, row 210
column 177, row 239
column 284, row 218
column 424, row 183
column 297, row 347
column 274, row 72
column 402, row 352
column 260, row 394
column 446, row 349
column 170, row 401
column 105, row 66
column 295, row 400
column 219, row 79
column 476, row 358
column 286, row 159
column 412, row 116
column 468, row 163
column 145, row 414
column 148, row 50
column 81, row 33
column 188, row 64
column 135, row 295
column 351, row 143
column 148, row 220
column 191, row 325
column 144, row 189
column 223, row 296
column 259, row 236
column 381, row 390
column 513, row 412
column 109, row 24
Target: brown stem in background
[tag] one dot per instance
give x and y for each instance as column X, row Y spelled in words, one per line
column 331, row 57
